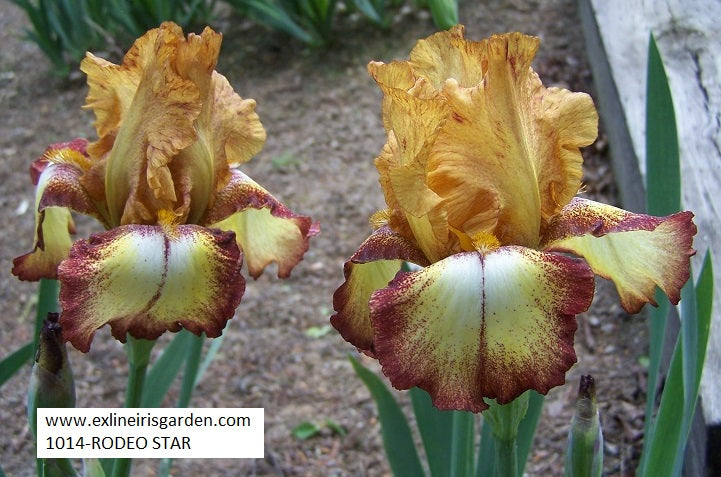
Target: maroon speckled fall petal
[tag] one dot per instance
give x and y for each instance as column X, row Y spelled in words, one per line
column 58, row 191
column 636, row 251
column 266, row 230
column 478, row 326
column 38, row 166
column 373, row 265
column 144, row 280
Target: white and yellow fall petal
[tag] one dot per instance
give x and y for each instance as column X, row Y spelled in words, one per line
column 58, row 190
column 56, row 224
column 638, row 252
column 145, row 280
column 266, row 230
column 371, row 268
column 478, row 326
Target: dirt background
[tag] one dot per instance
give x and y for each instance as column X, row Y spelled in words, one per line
column 322, row 115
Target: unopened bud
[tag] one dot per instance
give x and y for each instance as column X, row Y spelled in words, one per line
column 51, row 381
column 584, row 455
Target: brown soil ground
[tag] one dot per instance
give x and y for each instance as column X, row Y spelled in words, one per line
column 322, row 115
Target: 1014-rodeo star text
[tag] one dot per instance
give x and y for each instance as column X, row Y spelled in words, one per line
column 119, row 443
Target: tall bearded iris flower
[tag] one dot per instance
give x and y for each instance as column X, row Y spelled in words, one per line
column 479, row 173
column 162, row 179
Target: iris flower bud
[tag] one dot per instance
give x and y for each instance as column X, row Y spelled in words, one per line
column 584, row 456
column 51, row 381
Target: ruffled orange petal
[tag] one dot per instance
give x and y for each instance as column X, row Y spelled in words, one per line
column 237, row 123
column 373, row 265
column 509, row 143
column 229, row 133
column 144, row 280
column 141, row 135
column 196, row 171
column 228, row 130
column 636, row 251
column 412, row 126
column 478, row 326
column 503, row 151
column 266, row 230
column 448, row 54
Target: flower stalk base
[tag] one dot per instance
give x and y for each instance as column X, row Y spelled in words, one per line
column 138, row 351
column 505, row 419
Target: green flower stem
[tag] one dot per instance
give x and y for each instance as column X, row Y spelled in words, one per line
column 192, row 365
column 48, row 290
column 138, row 358
column 138, row 351
column 505, row 419
column 462, row 444
column 190, row 378
column 506, row 458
